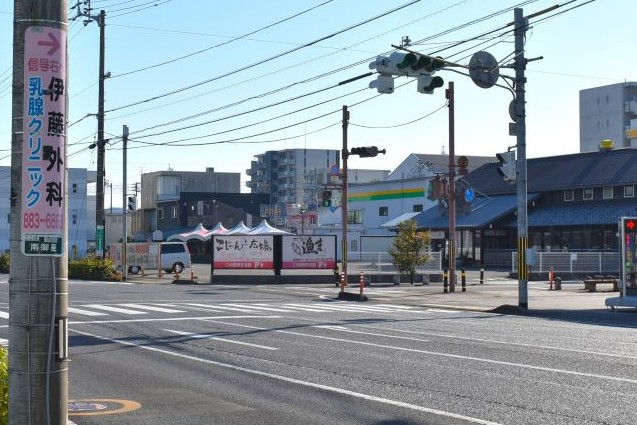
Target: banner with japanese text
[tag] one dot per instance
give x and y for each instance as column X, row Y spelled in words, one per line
column 44, row 142
column 309, row 252
column 243, row 252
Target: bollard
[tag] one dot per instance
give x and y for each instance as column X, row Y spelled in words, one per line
column 551, row 279
column 445, row 281
column 361, row 282
column 336, row 276
column 558, row 283
column 481, row 276
column 464, row 280
column 343, row 282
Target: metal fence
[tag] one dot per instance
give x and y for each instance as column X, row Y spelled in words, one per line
column 572, row 262
column 382, row 261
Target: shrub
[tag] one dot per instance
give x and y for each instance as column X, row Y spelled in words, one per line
column 4, row 262
column 4, row 386
column 91, row 268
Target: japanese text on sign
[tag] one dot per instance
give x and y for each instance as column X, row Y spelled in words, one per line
column 44, row 140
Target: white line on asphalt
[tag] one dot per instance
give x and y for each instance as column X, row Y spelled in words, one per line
column 153, row 308
column 4, row 314
column 434, row 353
column 517, row 344
column 168, row 319
column 221, row 307
column 299, row 382
column 114, row 309
column 216, row 338
column 261, row 307
column 85, row 312
column 442, row 310
column 344, row 329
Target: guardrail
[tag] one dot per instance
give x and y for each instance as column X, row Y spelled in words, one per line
column 572, row 262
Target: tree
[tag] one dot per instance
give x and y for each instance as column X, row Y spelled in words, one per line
column 409, row 249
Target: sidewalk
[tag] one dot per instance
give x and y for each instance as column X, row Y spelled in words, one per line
column 502, row 296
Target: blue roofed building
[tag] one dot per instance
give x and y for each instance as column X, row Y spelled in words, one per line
column 574, row 204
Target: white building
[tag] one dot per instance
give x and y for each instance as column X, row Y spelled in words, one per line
column 608, row 113
column 81, row 211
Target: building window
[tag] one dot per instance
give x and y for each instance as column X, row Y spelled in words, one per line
column 160, row 213
column 608, row 192
column 74, row 219
column 629, row 191
column 383, row 211
column 74, row 187
column 354, row 217
column 588, row 193
column 568, row 195
column 417, row 208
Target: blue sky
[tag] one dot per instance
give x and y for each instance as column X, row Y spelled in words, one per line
column 279, row 82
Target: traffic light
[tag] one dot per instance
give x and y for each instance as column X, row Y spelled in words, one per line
column 132, row 203
column 327, row 198
column 427, row 83
column 508, row 168
column 409, row 65
column 367, row 151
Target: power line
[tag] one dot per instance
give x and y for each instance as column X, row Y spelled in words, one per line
column 224, row 43
column 261, row 62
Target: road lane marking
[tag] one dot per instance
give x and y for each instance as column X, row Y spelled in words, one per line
column 153, row 308
column 169, row 319
column 297, row 381
column 265, row 307
column 434, row 353
column 114, row 309
column 85, row 312
column 216, row 338
column 4, row 314
column 344, row 329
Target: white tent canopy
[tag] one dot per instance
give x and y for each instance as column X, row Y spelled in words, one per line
column 265, row 229
column 239, row 229
column 198, row 233
column 217, row 230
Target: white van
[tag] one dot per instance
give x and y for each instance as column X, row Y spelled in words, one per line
column 174, row 257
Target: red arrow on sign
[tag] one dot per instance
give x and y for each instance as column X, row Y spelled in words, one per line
column 54, row 43
column 630, row 225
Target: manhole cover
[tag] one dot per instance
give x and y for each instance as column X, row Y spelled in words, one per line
column 101, row 407
column 86, row 407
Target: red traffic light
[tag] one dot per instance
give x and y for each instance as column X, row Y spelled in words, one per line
column 630, row 225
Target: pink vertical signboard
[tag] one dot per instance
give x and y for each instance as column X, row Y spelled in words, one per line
column 44, row 142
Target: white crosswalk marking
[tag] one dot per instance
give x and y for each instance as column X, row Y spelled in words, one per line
column 85, row 312
column 153, row 308
column 258, row 308
column 115, row 309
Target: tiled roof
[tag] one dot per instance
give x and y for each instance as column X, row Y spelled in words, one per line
column 586, row 213
column 590, row 169
column 490, row 210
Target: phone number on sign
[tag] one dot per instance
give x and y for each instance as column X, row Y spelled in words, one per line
column 52, row 221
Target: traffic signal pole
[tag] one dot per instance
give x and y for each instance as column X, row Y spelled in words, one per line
column 345, row 155
column 452, row 190
column 38, row 280
column 520, row 65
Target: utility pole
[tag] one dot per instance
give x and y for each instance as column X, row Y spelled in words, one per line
column 101, row 173
column 520, row 23
column 452, row 191
column 99, row 192
column 38, row 282
column 344, row 155
column 125, row 204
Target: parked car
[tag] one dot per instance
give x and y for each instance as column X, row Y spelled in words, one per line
column 174, row 257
